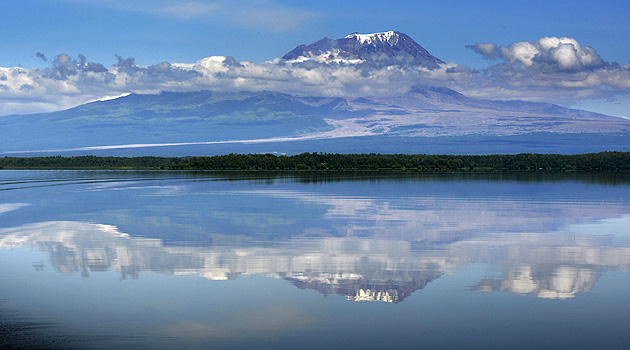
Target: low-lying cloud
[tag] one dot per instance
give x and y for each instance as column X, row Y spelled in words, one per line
column 558, row 70
column 72, row 81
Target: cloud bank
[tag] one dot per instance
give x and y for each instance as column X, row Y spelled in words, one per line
column 558, row 70
column 72, row 81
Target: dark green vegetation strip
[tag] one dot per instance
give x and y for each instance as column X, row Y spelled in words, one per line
column 605, row 161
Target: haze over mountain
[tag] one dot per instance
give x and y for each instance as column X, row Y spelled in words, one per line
column 422, row 119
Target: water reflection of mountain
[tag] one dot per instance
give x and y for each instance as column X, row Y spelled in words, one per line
column 367, row 288
column 549, row 265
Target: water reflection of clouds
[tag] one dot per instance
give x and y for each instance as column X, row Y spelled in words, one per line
column 161, row 190
column 6, row 207
column 556, row 282
column 617, row 227
column 436, row 217
column 549, row 265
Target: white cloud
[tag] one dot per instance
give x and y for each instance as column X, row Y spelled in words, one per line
column 548, row 53
column 487, row 50
column 551, row 69
column 522, row 52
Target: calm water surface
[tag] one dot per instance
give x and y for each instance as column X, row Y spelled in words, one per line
column 106, row 259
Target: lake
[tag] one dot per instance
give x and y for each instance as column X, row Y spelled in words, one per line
column 127, row 259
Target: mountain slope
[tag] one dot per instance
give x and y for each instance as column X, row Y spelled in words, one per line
column 171, row 117
column 201, row 117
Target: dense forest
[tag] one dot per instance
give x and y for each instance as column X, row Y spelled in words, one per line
column 605, row 161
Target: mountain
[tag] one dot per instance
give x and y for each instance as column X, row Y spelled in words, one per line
column 427, row 119
column 391, row 45
column 378, row 286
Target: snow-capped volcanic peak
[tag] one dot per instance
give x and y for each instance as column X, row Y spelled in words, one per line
column 369, row 38
column 385, row 48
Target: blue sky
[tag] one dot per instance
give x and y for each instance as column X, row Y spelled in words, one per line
column 154, row 31
column 99, row 29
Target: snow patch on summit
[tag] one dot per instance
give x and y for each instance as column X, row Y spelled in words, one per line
column 369, row 38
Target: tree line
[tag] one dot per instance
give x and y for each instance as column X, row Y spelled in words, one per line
column 525, row 162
